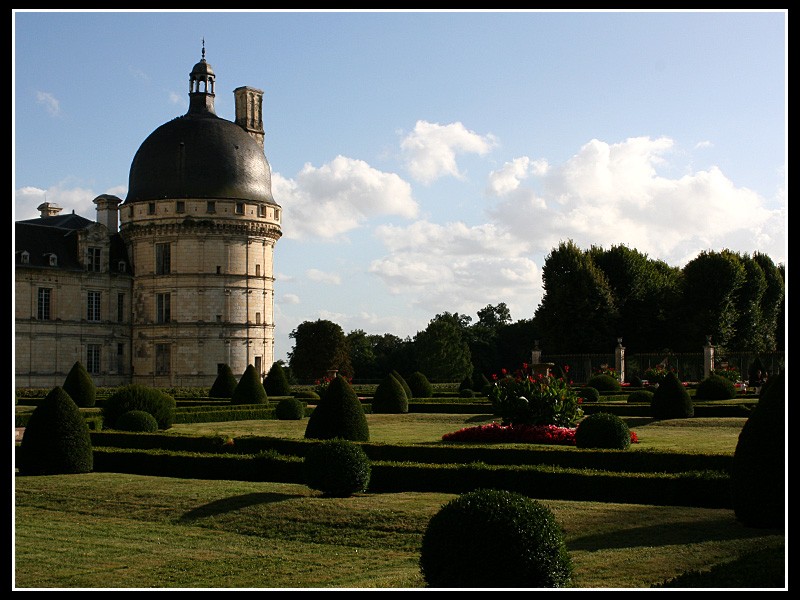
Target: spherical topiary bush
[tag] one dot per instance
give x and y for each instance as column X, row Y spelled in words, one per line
column 635, row 381
column 137, row 420
column 420, row 385
column 603, row 430
column 603, row 382
column 715, row 387
column 80, row 387
column 758, row 470
column 671, row 400
column 589, row 394
column 224, row 384
column 290, row 409
column 249, row 390
column 465, row 393
column 276, row 383
column 390, row 397
column 139, row 397
column 337, row 468
column 491, row 539
column 339, row 414
column 640, row 396
column 56, row 439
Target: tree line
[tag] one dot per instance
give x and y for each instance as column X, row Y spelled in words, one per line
column 591, row 298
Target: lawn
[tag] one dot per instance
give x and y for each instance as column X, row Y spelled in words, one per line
column 121, row 531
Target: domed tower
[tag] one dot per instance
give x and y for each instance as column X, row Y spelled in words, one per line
column 200, row 225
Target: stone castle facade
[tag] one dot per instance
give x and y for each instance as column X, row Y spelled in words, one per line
column 174, row 281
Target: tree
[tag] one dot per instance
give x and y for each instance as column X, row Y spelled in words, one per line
column 275, row 383
column 710, row 288
column 750, row 325
column 362, row 354
column 320, row 347
column 577, row 312
column 79, row 386
column 441, row 351
column 771, row 302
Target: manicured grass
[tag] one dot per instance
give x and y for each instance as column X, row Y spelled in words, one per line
column 715, row 435
column 108, row 530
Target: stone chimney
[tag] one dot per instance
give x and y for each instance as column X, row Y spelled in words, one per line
column 108, row 212
column 48, row 209
column 248, row 112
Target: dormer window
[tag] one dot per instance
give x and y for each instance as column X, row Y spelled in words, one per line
column 122, row 266
column 25, row 257
column 53, row 260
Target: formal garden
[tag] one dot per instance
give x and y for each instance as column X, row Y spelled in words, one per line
column 519, row 479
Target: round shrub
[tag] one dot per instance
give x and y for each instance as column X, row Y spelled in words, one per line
column 671, row 400
column 758, row 470
column 249, row 390
column 339, row 414
column 80, row 387
column 603, row 430
column 640, row 396
column 494, row 538
column 56, row 439
column 715, row 387
column 224, row 384
column 306, row 395
column 139, row 397
column 137, row 420
column 635, row 381
column 276, row 383
column 603, row 382
column 589, row 394
column 290, row 409
column 419, row 385
column 465, row 393
column 390, row 397
column 337, row 468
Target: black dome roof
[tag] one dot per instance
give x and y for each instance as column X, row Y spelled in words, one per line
column 200, row 155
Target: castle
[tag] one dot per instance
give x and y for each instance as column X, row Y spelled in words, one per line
column 174, row 281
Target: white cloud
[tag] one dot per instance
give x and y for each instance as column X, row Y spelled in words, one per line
column 290, row 299
column 338, row 197
column 322, row 277
column 507, row 178
column 50, row 103
column 458, row 268
column 69, row 198
column 430, row 150
column 609, row 194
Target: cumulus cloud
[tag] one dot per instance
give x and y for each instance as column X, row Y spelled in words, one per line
column 430, row 150
column 66, row 194
column 338, row 197
column 322, row 277
column 456, row 267
column 609, row 194
column 508, row 178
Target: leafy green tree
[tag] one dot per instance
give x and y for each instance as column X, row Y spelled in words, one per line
column 711, row 284
column 515, row 342
column 275, row 383
column 224, row 384
column 80, row 387
column 577, row 311
column 361, row 348
column 749, row 326
column 249, row 390
column 320, row 346
column 441, row 350
column 56, row 439
column 482, row 337
column 771, row 302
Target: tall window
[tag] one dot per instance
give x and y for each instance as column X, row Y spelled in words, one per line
column 162, row 308
column 93, row 307
column 162, row 359
column 162, row 259
column 120, row 358
column 120, row 308
column 93, row 260
column 93, row 358
column 43, row 304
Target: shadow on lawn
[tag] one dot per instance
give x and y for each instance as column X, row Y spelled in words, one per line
column 233, row 503
column 668, row 534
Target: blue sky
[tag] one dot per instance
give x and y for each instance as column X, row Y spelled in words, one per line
column 430, row 161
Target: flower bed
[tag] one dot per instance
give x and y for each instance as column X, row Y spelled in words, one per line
column 530, row 434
